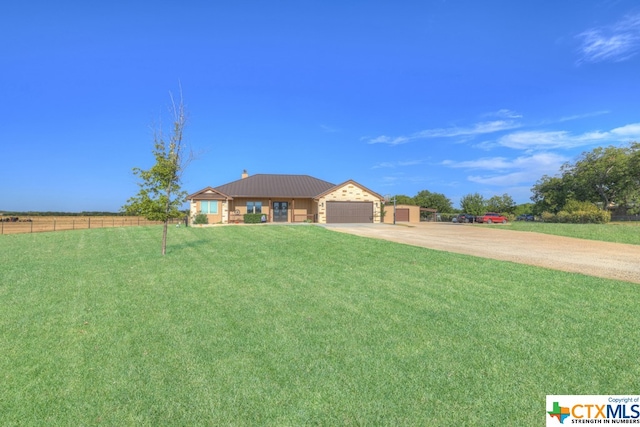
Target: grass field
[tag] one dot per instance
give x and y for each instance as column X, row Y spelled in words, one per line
column 620, row 232
column 296, row 325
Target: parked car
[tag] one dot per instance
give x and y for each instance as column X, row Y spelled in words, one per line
column 467, row 217
column 525, row 217
column 491, row 217
column 464, row 217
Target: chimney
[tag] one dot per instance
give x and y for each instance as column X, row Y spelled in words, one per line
column 244, row 174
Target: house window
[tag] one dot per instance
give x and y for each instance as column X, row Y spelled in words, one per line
column 210, row 207
column 254, row 207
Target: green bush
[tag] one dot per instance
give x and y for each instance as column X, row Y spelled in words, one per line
column 548, row 217
column 200, row 219
column 573, row 206
column 575, row 212
column 253, row 218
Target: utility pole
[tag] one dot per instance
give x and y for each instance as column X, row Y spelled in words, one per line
column 394, row 210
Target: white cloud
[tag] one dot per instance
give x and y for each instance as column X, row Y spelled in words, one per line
column 502, row 180
column 477, row 129
column 400, row 163
column 502, row 163
column 534, row 140
column 383, row 139
column 504, row 113
column 506, row 172
column 581, row 116
column 616, row 43
column 493, row 163
column 387, row 180
column 383, row 165
column 631, row 132
column 329, row 129
column 542, row 140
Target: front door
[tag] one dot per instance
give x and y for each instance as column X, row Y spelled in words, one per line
column 280, row 211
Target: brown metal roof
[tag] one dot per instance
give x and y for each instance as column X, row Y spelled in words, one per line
column 268, row 185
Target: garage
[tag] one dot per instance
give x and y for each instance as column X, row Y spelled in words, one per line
column 402, row 215
column 349, row 212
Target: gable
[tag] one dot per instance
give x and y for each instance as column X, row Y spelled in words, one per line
column 350, row 190
column 208, row 194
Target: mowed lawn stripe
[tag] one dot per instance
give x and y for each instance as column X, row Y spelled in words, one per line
column 294, row 325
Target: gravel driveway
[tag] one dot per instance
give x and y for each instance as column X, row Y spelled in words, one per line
column 595, row 258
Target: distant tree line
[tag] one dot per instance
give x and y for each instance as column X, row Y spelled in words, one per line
column 425, row 199
column 474, row 203
column 587, row 190
column 55, row 213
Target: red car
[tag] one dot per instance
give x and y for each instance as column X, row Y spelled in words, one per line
column 491, row 217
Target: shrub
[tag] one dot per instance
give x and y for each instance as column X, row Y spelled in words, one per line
column 578, row 213
column 200, row 219
column 253, row 218
column 573, row 206
column 547, row 217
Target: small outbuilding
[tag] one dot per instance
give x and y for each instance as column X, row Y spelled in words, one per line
column 404, row 213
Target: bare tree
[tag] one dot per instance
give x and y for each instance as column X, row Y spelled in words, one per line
column 160, row 196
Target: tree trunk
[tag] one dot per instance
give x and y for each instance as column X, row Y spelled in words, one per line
column 164, row 236
column 167, row 209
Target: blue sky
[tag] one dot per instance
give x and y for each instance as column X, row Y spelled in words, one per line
column 454, row 97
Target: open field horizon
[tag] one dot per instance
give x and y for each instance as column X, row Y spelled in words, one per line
column 45, row 223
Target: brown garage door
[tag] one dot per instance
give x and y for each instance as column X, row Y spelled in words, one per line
column 402, row 214
column 349, row 212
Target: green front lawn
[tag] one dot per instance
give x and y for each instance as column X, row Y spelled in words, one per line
column 296, row 325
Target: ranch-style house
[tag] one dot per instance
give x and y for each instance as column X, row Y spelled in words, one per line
column 287, row 198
